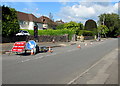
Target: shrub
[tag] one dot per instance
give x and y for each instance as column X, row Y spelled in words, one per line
column 86, row 33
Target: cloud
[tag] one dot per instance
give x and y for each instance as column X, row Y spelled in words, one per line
column 84, row 11
column 34, row 11
column 60, row 1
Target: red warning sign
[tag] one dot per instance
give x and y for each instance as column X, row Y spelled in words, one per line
column 18, row 46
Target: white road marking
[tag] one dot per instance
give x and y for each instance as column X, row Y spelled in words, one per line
column 26, row 60
column 50, row 55
column 72, row 50
column 37, row 58
column 72, row 81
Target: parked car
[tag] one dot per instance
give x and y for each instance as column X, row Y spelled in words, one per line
column 22, row 32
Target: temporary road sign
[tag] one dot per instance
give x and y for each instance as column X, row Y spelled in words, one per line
column 30, row 45
column 18, row 46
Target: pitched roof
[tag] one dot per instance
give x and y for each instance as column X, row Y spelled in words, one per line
column 31, row 17
column 46, row 20
column 27, row 17
column 60, row 22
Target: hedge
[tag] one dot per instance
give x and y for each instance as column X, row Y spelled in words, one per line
column 86, row 33
column 52, row 32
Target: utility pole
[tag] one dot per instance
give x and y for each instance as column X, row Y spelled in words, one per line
column 104, row 24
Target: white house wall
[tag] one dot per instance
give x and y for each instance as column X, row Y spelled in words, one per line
column 31, row 25
column 40, row 26
column 24, row 24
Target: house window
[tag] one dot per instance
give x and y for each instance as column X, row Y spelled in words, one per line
column 23, row 22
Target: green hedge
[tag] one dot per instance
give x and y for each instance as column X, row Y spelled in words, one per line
column 52, row 32
column 86, row 33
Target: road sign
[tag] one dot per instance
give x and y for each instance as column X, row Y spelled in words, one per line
column 18, row 46
column 30, row 45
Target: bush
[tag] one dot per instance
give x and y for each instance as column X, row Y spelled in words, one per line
column 86, row 33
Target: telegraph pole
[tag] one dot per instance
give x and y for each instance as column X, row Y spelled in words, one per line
column 104, row 24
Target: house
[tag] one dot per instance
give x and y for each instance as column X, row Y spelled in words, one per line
column 59, row 22
column 47, row 22
column 28, row 21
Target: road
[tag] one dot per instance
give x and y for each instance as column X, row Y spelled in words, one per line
column 59, row 67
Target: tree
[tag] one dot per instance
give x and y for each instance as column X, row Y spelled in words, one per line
column 90, row 25
column 71, row 25
column 51, row 16
column 60, row 26
column 112, row 22
column 103, row 30
column 10, row 25
column 80, row 27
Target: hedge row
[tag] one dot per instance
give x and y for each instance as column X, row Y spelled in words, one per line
column 50, row 32
column 86, row 33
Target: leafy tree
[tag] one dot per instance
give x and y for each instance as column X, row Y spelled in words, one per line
column 112, row 21
column 10, row 24
column 80, row 27
column 103, row 30
column 60, row 26
column 71, row 25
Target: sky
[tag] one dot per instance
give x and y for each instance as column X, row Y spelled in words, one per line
column 66, row 10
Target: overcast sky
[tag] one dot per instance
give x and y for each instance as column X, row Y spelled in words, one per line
column 67, row 10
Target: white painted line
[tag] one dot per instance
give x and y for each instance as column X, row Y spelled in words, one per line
column 31, row 59
column 38, row 57
column 48, row 55
column 53, row 54
column 26, row 60
column 72, row 50
column 84, row 72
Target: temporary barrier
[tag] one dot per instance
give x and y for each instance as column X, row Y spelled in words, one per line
column 18, row 46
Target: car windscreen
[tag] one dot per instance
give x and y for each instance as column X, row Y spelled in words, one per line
column 25, row 31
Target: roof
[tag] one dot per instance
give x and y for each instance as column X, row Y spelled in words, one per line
column 27, row 17
column 60, row 22
column 31, row 17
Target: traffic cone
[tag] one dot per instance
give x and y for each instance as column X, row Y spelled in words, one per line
column 85, row 44
column 32, row 53
column 79, row 46
column 91, row 43
column 50, row 50
column 53, row 41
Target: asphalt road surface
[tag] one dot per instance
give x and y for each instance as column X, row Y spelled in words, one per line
column 59, row 67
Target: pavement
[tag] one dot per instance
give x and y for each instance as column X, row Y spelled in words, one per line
column 105, row 71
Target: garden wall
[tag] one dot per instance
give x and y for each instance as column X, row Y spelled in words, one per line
column 63, row 38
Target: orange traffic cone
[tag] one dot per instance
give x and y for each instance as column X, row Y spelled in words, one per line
column 79, row 46
column 32, row 53
column 50, row 50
